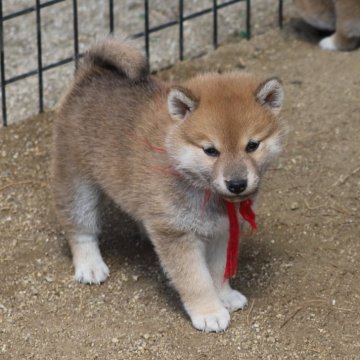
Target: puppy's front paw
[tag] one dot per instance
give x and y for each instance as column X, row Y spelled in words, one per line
column 212, row 322
column 91, row 270
column 328, row 43
column 233, row 300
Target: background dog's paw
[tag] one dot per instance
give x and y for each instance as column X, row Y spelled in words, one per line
column 233, row 300
column 91, row 270
column 213, row 322
column 328, row 44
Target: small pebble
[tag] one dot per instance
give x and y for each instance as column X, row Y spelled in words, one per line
column 294, row 206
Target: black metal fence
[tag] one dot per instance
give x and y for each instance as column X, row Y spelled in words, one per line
column 41, row 67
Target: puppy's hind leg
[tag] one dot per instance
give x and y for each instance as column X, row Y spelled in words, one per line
column 79, row 206
column 88, row 263
column 89, row 266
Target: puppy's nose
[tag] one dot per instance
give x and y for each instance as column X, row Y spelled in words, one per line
column 236, row 186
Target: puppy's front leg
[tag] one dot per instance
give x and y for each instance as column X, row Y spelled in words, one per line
column 183, row 258
column 216, row 256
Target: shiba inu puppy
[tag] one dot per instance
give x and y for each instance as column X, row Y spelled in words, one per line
column 341, row 16
column 170, row 155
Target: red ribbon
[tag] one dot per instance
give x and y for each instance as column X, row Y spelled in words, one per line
column 234, row 234
column 247, row 213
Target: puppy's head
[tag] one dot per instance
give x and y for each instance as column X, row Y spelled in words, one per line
column 225, row 131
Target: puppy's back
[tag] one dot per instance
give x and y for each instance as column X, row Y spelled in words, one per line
column 110, row 84
column 103, row 105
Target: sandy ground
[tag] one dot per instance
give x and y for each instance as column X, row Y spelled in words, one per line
column 300, row 271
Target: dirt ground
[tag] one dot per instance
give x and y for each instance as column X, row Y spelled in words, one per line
column 300, row 271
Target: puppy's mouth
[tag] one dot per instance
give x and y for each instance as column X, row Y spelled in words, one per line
column 237, row 199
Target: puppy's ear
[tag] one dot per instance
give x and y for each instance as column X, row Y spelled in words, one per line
column 270, row 94
column 181, row 103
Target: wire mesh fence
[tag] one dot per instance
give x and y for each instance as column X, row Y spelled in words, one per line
column 29, row 78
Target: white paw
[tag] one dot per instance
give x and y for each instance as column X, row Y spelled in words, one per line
column 233, row 300
column 213, row 322
column 328, row 44
column 91, row 270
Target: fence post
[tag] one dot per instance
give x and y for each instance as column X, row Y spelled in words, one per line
column 39, row 56
column 248, row 19
column 215, row 25
column 76, row 33
column 111, row 16
column 281, row 13
column 2, row 66
column 181, row 30
column 146, row 32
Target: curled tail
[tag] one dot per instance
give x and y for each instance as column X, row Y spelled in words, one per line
column 115, row 55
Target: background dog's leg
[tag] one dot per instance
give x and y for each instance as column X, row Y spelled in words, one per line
column 347, row 33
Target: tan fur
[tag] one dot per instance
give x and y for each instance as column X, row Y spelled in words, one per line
column 114, row 134
column 341, row 16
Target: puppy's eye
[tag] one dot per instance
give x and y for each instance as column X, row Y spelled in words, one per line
column 211, row 151
column 252, row 146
